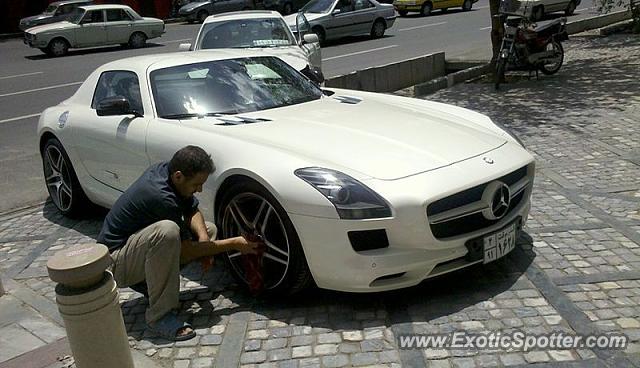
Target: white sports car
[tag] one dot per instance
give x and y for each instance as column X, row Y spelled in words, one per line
column 356, row 191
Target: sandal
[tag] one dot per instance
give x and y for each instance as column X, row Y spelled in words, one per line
column 168, row 327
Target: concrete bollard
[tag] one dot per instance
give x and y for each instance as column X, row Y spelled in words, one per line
column 87, row 298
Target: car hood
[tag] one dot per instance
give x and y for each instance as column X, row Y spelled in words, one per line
column 189, row 7
column 34, row 18
column 291, row 55
column 372, row 138
column 51, row 27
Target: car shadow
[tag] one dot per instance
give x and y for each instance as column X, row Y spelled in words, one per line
column 444, row 295
column 90, row 51
column 353, row 39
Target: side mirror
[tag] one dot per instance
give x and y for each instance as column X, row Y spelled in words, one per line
column 184, row 47
column 310, row 38
column 335, row 12
column 115, row 106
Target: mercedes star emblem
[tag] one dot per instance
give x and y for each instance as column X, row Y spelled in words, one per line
column 497, row 198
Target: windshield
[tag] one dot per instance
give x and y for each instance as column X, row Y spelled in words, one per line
column 229, row 87
column 317, row 6
column 50, row 9
column 243, row 33
column 76, row 16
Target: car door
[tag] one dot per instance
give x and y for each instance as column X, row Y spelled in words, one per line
column 119, row 26
column 340, row 21
column 112, row 148
column 364, row 14
column 92, row 30
column 312, row 50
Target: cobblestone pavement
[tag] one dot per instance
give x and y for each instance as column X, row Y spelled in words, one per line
column 576, row 269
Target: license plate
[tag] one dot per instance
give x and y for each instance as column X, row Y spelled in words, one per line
column 500, row 243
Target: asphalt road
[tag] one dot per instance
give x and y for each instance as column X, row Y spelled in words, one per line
column 31, row 81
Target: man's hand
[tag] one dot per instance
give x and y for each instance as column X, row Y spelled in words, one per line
column 245, row 246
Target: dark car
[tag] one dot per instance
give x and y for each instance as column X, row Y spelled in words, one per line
column 55, row 12
column 200, row 10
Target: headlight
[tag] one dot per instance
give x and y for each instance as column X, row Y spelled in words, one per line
column 508, row 131
column 352, row 199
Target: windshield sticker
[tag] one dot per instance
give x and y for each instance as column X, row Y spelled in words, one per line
column 198, row 74
column 260, row 71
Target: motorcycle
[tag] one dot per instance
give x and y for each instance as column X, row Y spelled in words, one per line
column 525, row 46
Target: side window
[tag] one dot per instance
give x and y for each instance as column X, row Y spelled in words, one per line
column 117, row 15
column 119, row 83
column 345, row 6
column 93, row 16
column 363, row 4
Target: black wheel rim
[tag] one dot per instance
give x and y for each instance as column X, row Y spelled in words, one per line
column 58, row 179
column 247, row 211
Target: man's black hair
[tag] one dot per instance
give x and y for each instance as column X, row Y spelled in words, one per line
column 191, row 160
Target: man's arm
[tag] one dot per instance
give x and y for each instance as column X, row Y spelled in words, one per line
column 192, row 250
column 198, row 227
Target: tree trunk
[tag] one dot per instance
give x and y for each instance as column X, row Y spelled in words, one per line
column 497, row 29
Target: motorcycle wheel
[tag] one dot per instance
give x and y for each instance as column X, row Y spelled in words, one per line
column 553, row 68
column 499, row 76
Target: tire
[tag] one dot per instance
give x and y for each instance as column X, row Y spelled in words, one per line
column 426, row 9
column 287, row 9
column 58, row 47
column 137, row 40
column 378, row 28
column 467, row 5
column 538, row 13
column 202, row 16
column 557, row 46
column 500, row 69
column 322, row 36
column 403, row 13
column 571, row 8
column 248, row 202
column 61, row 180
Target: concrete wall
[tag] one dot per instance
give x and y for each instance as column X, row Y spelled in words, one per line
column 394, row 76
column 597, row 21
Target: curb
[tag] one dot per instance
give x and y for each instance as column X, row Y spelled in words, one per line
column 446, row 81
column 616, row 27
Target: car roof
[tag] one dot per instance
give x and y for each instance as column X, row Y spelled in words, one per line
column 65, row 2
column 244, row 14
column 105, row 6
column 142, row 63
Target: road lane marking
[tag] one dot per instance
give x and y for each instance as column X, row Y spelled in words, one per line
column 359, row 52
column 175, row 41
column 40, row 89
column 482, row 29
column 422, row 26
column 18, row 118
column 20, row 75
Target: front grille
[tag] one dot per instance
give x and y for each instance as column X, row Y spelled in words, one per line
column 475, row 221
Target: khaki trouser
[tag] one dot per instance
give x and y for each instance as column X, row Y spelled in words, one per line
column 153, row 254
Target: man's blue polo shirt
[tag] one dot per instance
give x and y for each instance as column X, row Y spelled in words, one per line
column 149, row 199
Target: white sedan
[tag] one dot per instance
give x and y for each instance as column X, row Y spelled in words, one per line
column 356, row 191
column 265, row 31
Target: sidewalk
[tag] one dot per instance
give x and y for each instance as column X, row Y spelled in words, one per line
column 576, row 269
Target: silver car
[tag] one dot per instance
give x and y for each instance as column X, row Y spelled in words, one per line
column 332, row 19
column 95, row 25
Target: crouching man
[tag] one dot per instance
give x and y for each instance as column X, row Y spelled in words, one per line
column 150, row 233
